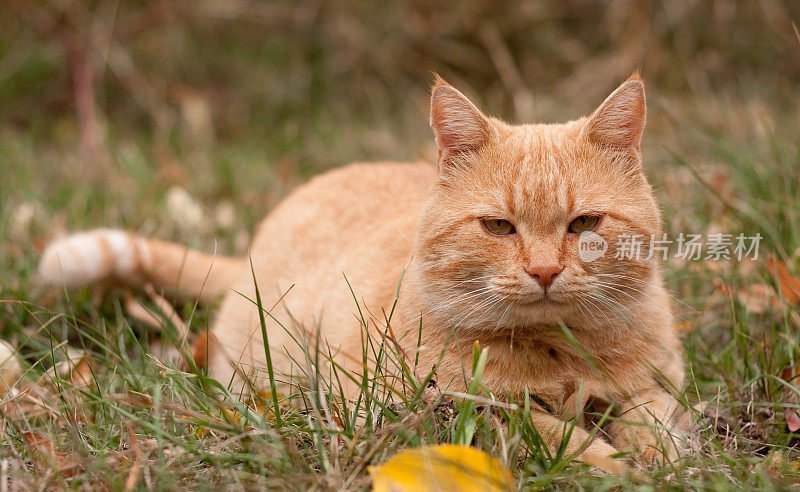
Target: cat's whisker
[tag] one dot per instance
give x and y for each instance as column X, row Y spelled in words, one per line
column 451, row 283
column 593, row 309
column 618, row 286
column 487, row 310
column 585, row 310
column 485, row 307
column 486, row 302
column 645, row 283
column 457, row 296
column 502, row 316
column 614, row 305
column 626, row 286
column 447, row 303
column 600, row 306
column 462, row 297
column 594, row 291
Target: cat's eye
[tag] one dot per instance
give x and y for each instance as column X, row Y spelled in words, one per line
column 584, row 223
column 499, row 227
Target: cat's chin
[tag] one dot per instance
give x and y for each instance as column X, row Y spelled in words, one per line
column 544, row 310
column 549, row 301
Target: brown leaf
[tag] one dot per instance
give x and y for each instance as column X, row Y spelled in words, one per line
column 719, row 181
column 133, row 472
column 39, row 443
column 789, row 373
column 201, row 348
column 721, row 287
column 82, row 375
column 790, row 286
column 67, row 465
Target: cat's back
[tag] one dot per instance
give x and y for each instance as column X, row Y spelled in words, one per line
column 344, row 207
column 358, row 221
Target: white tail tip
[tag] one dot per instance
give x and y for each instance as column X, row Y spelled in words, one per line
column 87, row 257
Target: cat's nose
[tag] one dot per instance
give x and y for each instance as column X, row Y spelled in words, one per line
column 544, row 274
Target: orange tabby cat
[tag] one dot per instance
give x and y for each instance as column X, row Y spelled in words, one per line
column 488, row 242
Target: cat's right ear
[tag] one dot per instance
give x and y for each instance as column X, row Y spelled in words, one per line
column 458, row 124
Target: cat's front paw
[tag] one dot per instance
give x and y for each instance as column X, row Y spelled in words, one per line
column 653, row 443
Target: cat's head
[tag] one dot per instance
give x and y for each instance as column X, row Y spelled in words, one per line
column 498, row 241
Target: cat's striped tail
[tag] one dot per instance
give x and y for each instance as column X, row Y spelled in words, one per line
column 123, row 257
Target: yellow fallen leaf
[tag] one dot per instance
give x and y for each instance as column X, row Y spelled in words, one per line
column 444, row 467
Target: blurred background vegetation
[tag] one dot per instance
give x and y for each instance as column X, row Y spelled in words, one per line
column 297, row 86
column 189, row 119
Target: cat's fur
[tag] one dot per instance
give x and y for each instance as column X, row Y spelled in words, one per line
column 372, row 222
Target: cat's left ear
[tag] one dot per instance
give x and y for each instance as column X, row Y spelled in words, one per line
column 619, row 122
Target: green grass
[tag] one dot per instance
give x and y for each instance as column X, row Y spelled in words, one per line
column 176, row 428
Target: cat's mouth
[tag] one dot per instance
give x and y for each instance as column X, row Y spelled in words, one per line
column 525, row 294
column 535, row 298
column 541, row 300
